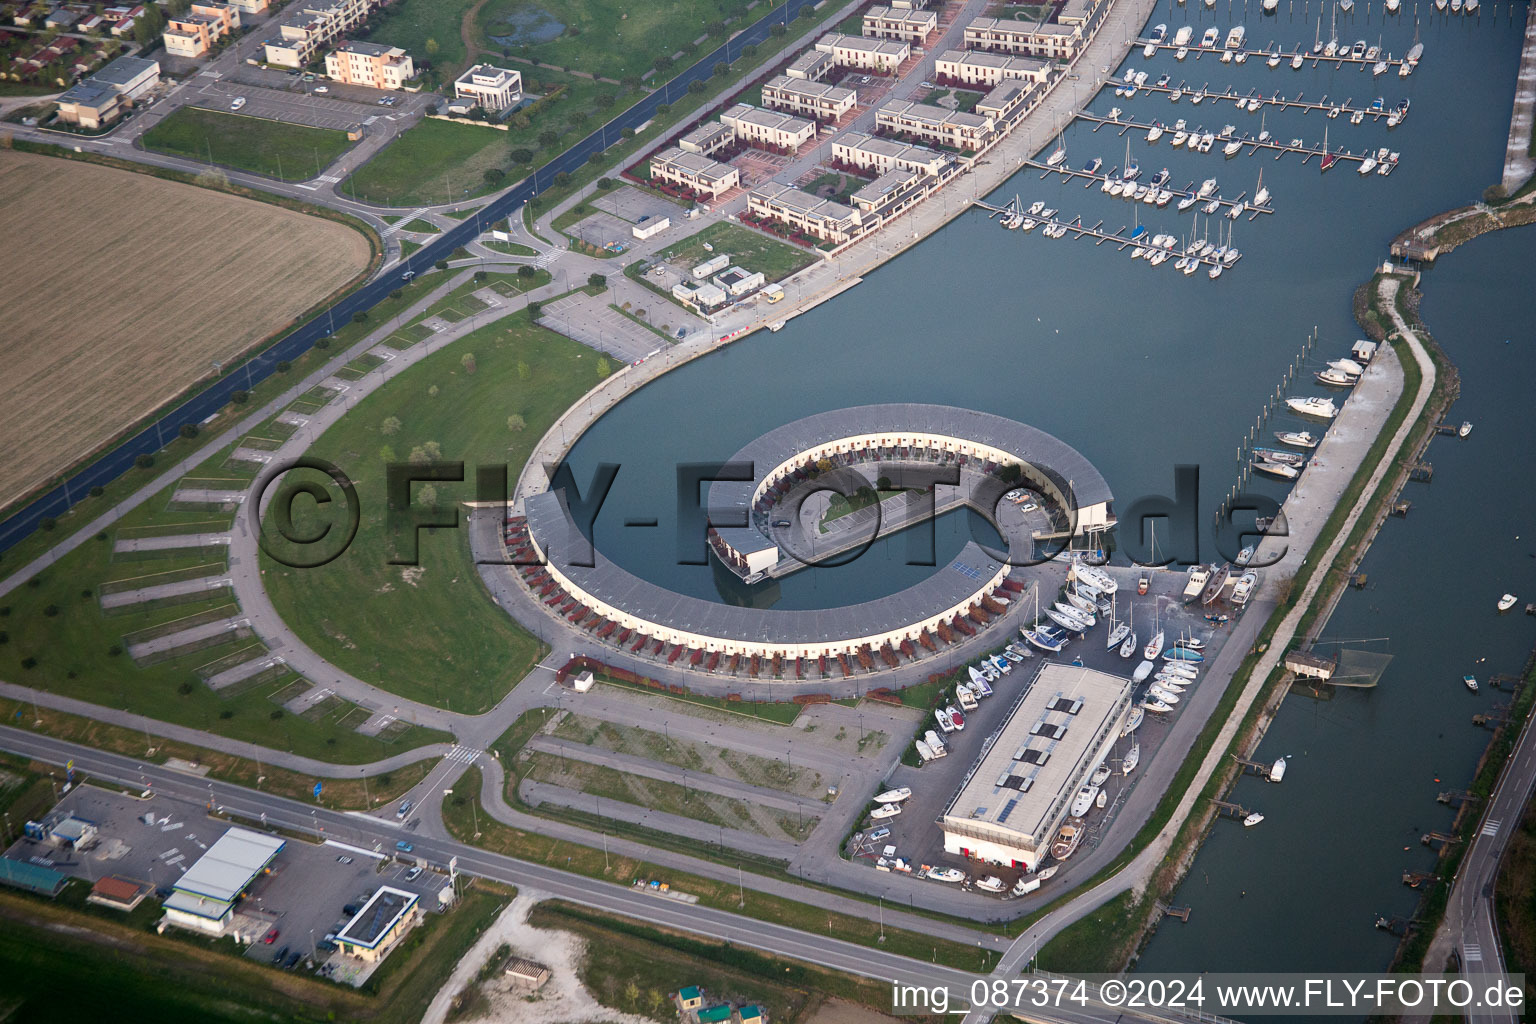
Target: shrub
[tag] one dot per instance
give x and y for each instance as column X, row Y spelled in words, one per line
column 360, row 316
column 114, row 650
column 721, row 70
column 51, row 610
column 144, row 461
column 283, row 366
column 595, row 157
column 663, row 109
column 276, row 714
column 521, row 156
column 562, row 179
column 597, row 281
column 395, row 293
column 778, row 29
column 185, row 689
column 47, row 523
column 188, row 430
column 493, row 176
column 441, row 264
column 696, row 86
column 29, row 663
column 239, row 397
column 322, row 343
column 98, row 491
column 526, row 272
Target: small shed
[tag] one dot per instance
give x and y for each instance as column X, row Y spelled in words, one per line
column 690, row 998
column 1311, row 666
column 1363, row 350
column 715, row 1014
column 581, row 682
column 117, row 893
column 711, row 266
column 528, row 974
column 651, row 227
column 751, row 1015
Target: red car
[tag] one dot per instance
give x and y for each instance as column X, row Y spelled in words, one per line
column 271, row 937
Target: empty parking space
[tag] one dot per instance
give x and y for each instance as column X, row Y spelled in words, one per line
column 589, row 320
column 292, row 107
column 632, row 205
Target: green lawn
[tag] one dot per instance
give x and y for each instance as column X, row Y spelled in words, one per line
column 776, row 260
column 429, row 632
column 421, row 227
column 428, row 29
column 510, row 248
column 612, row 38
column 441, row 162
column 289, row 152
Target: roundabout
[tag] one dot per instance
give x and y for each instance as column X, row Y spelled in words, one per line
column 766, row 522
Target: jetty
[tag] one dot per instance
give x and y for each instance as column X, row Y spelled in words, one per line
column 1338, row 60
column 1191, row 189
column 1376, row 111
column 1117, row 238
column 1305, row 150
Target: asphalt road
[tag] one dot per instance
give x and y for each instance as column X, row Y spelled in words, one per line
column 111, row 464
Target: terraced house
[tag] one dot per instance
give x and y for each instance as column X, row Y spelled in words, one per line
column 707, row 139
column 973, row 67
column 692, row 171
column 882, row 56
column 1050, row 39
column 811, row 215
column 872, row 153
column 769, row 129
column 312, row 25
column 955, row 128
column 204, row 25
column 883, row 22
column 893, row 193
column 816, row 100
column 371, row 64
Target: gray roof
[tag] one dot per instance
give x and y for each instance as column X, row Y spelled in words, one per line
column 229, row 865
column 550, row 524
column 124, row 70
column 88, row 93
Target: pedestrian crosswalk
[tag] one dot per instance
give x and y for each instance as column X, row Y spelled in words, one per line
column 1472, row 951
column 1491, row 827
column 547, row 257
column 464, row 755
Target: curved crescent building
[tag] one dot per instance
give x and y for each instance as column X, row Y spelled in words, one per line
column 830, row 449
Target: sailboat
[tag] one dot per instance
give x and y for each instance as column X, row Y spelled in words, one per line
column 1039, row 637
column 1155, row 645
column 1132, row 758
column 1261, row 194
column 1060, row 153
column 1317, row 39
column 1328, row 158
column 1128, row 647
column 1118, row 632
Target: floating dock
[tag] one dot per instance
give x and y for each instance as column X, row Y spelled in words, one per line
column 1100, row 236
column 1254, row 145
column 1338, row 60
column 1276, row 101
column 1178, row 193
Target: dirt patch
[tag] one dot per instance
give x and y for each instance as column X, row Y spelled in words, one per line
column 837, row 1011
column 122, row 291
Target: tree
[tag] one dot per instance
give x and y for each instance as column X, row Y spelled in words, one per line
column 467, row 360
column 750, row 50
column 547, row 138
column 431, row 47
column 722, row 69
column 240, row 397
column 597, row 281
column 604, row 367
column 663, row 109
column 283, row 366
column 1011, row 473
column 431, row 451
column 480, row 276
column 493, row 176
column 395, row 293
column 360, row 316
column 516, row 423
column 604, row 184
column 387, row 455
column 535, row 310
column 778, row 29
column 606, row 99
column 696, row 86
column 526, row 272
column 632, row 994
column 188, row 430
column 580, row 118
column 630, row 82
column 144, row 461
column 562, row 178
column 322, row 343
column 427, row 495
column 441, row 264
column 521, row 156
column 595, row 157
column 663, row 64
column 390, row 427
column 149, row 26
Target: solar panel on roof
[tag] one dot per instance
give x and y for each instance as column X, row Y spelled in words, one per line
column 968, row 571
column 1007, row 810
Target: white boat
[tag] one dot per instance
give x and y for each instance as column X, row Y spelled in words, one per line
column 1393, row 5
column 1117, row 635
column 1180, row 669
column 1464, row 429
column 966, row 698
column 1070, row 622
column 1296, row 438
column 1277, row 770
column 946, row 874
column 955, row 717
column 1100, row 776
column 1143, row 671
column 1270, row 6
column 1157, row 707
column 1096, row 577
column 981, row 689
column 1036, row 207
column 1176, row 95
column 1276, row 469
column 1003, row 665
column 936, row 743
column 1183, row 35
column 1154, row 646
column 1235, row 37
column 1274, row 58
column 1242, row 590
column 1252, row 819
column 1089, row 618
column 893, row 796
column 1207, row 187
column 1232, row 148
column 1159, row 32
column 1181, row 53
column 1102, row 800
column 926, row 752
column 1154, row 133
column 1167, row 685
column 1129, row 648
column 1082, row 603
column 1084, row 801
column 1132, row 758
column 1187, row 202
column 885, row 811
column 1158, row 693
column 1296, row 61
column 1335, row 378
column 976, row 677
column 945, row 722
column 1209, row 39
column 1346, row 366
column 1471, row 682
column 1132, row 721
column 1507, row 602
column 1414, row 53
column 1322, row 408
column 1367, row 165
column 1199, row 576
column 1149, row 51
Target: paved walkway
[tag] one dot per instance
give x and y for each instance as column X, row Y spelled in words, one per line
column 170, row 542
column 1519, row 165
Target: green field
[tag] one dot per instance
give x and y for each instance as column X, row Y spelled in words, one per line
column 612, row 38
column 776, row 260
column 440, row 162
column 429, row 632
column 430, row 30
column 289, row 152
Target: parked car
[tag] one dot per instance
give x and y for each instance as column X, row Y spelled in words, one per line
column 413, row 874
column 280, row 955
column 239, row 102
column 350, row 910
column 878, row 834
column 271, row 937
column 292, row 961
column 322, row 89
column 326, row 946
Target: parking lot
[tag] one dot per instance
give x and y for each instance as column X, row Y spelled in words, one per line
column 295, row 106
column 632, row 205
column 303, row 897
column 590, row 321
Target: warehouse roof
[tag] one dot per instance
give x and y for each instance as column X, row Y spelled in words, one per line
column 230, row 864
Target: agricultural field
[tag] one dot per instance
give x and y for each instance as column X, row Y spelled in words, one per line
column 288, row 152
column 84, row 363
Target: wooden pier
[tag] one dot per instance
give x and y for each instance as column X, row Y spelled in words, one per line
column 1422, row 473
column 1230, row 810
column 1259, row 768
column 1415, row 879
column 1338, row 60
column 1455, row 799
column 1096, row 232
column 1430, row 838
column 1279, row 148
column 1182, row 913
column 1188, row 190
column 1277, row 101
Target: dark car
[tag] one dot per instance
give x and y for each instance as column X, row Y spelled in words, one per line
column 278, row 957
column 326, row 946
column 292, row 961
column 350, row 910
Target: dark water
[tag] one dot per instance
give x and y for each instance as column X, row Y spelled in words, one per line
column 526, row 25
column 1142, row 368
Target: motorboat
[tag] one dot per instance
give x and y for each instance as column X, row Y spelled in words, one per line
column 1099, row 777
column 1068, row 839
column 1356, row 52
column 1084, row 801
column 946, row 723
column 1199, row 575
column 1507, row 602
column 1154, row 133
column 991, row 883
column 982, row 689
column 1183, row 35
column 1323, row 408
column 924, row 751
column 1181, row 53
column 966, row 698
column 1393, row 6
column 1296, row 61
column 1367, row 165
column 1092, row 167
column 1207, row 142
column 1102, row 800
column 893, row 796
column 1242, row 590
column 1464, row 429
column 1277, row 770
column 1157, row 707
column 1132, row 758
column 1172, row 681
column 955, row 717
column 988, row 673
column 1159, row 32
column 1235, row 37
column 1158, row 693
column 1207, row 187
column 1017, row 652
column 1132, row 721
column 1036, row 207
column 1346, row 366
column 1335, row 378
column 1194, row 643
column 946, row 875
column 1143, row 581
column 1252, row 819
column 1209, row 39
column 1358, row 117
column 1274, row 58
column 1232, row 148
column 1002, row 664
column 933, row 740
column 1149, row 51
column 1296, row 438
column 1275, row 469
column 1379, row 68
column 1226, row 56
column 1471, row 682
column 1176, row 95
column 1179, row 138
column 1283, row 457
column 1180, row 669
column 1187, row 202
column 1143, row 672
column 885, row 811
column 976, row 676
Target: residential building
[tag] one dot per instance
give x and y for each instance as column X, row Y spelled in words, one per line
column 372, row 64
column 694, row 172
column 717, row 1014
column 738, row 281
column 1015, row 800
column 881, row 22
column 882, row 56
column 955, row 128
column 375, row 928
column 204, row 25
column 976, row 67
column 892, row 193
column 1049, row 39
column 816, row 100
column 707, row 139
column 117, row 893
column 750, row 1015
column 689, row 999
column 99, row 100
column 1009, row 101
column 872, row 153
column 251, row 6
column 811, row 215
column 490, row 87
column 812, row 65
column 910, row 5
column 1077, row 12
column 1310, row 665
column 61, row 19
column 311, row 25
column 768, row 128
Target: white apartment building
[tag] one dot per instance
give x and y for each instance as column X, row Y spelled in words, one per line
column 872, row 153
column 882, row 56
column 956, row 128
column 881, row 22
column 692, row 171
column 816, row 100
column 817, row 217
column 768, row 128
column 976, row 67
column 489, row 87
